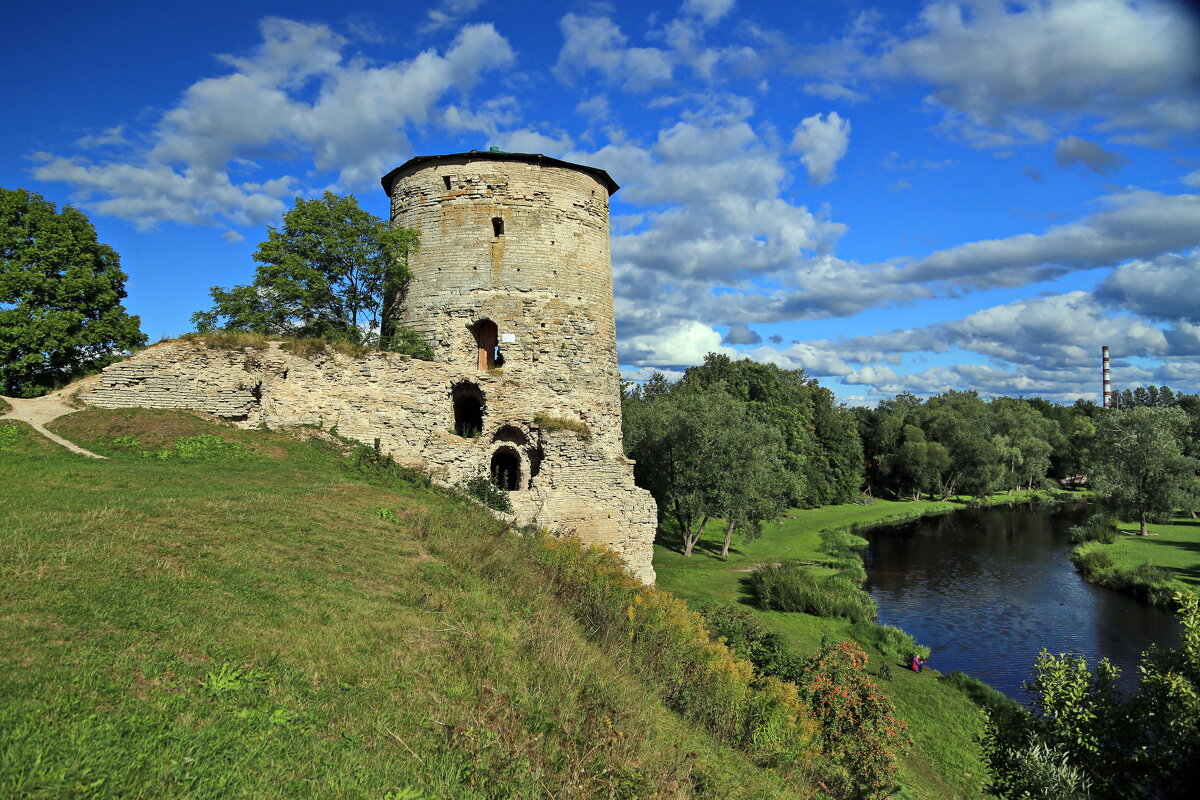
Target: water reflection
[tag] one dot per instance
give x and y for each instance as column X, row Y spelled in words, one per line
column 988, row 589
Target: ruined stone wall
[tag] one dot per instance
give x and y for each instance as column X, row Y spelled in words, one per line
column 580, row 486
column 545, row 280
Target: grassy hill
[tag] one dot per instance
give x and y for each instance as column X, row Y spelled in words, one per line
column 215, row 613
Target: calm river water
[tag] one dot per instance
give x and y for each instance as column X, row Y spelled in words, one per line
column 987, row 590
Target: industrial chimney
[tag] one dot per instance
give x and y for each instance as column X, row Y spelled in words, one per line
column 1107, row 378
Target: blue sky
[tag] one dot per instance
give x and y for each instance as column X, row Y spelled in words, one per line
column 891, row 196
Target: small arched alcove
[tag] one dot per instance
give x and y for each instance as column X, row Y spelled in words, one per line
column 511, row 434
column 486, row 340
column 468, row 402
column 497, row 227
column 506, row 468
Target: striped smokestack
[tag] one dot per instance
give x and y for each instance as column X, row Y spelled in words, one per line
column 1107, row 378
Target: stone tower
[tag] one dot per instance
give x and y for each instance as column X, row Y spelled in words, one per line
column 514, row 272
column 513, row 288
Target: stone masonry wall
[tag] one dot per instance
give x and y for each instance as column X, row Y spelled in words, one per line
column 580, row 487
column 545, row 280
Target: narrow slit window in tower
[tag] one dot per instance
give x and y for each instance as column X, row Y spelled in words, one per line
column 446, row 179
column 497, row 227
column 468, row 409
column 486, row 340
column 506, row 469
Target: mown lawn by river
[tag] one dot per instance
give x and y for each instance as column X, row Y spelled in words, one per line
column 1173, row 547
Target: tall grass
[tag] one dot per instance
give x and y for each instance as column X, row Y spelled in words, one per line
column 1147, row 582
column 795, row 587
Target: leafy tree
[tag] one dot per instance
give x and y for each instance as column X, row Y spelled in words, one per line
column 1138, row 461
column 919, row 462
column 60, row 296
column 1085, row 738
column 1023, row 438
column 702, row 455
column 331, row 270
column 960, row 422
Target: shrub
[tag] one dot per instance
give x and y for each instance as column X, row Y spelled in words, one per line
column 1090, row 560
column 408, row 342
column 794, row 587
column 482, row 489
column 671, row 648
column 1097, row 528
column 889, row 641
column 859, row 728
column 548, row 423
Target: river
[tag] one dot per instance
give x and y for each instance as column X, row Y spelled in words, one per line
column 988, row 589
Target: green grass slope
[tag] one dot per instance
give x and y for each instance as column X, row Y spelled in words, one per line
column 219, row 614
column 945, row 761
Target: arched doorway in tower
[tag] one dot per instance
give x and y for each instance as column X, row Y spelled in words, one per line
column 506, row 469
column 486, row 340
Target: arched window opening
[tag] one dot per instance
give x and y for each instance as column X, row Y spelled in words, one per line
column 486, row 340
column 506, row 469
column 468, row 409
column 497, row 227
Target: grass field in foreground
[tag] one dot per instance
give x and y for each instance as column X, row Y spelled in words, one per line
column 945, row 761
column 251, row 626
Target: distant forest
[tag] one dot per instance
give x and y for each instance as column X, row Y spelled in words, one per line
column 741, row 440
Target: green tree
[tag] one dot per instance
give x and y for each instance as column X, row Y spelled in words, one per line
column 1138, row 461
column 698, row 450
column 1085, row 738
column 60, row 296
column 330, row 270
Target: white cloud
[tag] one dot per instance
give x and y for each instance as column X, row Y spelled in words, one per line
column 295, row 93
column 597, row 44
column 1134, row 224
column 1166, row 287
column 1132, row 64
column 448, row 13
column 822, row 141
column 681, row 344
column 709, row 11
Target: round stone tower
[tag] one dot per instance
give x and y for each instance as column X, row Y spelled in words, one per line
column 514, row 278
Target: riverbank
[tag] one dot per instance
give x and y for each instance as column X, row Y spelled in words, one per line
column 1152, row 568
column 945, row 760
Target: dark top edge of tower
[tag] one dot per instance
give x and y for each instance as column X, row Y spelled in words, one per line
column 495, row 155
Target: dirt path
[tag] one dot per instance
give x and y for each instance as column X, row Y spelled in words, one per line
column 41, row 410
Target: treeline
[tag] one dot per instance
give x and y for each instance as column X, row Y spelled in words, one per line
column 741, row 441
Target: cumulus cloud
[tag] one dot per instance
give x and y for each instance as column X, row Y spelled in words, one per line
column 597, row 44
column 1167, row 287
column 295, row 93
column 822, row 141
column 681, row 344
column 739, row 333
column 1073, row 150
column 1132, row 64
column 1134, row 224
